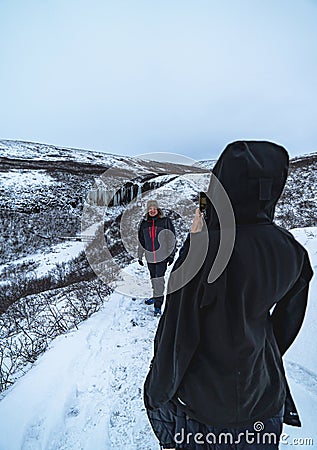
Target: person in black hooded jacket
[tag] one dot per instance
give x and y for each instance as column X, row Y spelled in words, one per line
column 219, row 345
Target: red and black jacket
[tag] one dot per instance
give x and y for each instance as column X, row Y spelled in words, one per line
column 156, row 239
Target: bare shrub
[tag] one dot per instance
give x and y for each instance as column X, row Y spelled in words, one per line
column 30, row 324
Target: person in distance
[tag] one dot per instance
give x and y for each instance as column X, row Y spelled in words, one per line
column 156, row 236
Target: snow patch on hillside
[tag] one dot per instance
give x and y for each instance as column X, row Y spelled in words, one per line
column 25, row 179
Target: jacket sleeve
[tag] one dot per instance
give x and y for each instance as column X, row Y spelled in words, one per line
column 288, row 314
column 141, row 242
column 174, row 350
column 176, row 339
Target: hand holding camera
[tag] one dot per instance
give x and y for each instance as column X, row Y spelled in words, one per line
column 198, row 223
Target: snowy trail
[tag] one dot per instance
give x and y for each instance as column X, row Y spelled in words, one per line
column 86, row 391
column 301, row 375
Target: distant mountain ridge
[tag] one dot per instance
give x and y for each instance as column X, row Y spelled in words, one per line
column 70, row 173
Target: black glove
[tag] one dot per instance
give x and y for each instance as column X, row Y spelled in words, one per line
column 140, row 262
column 170, row 260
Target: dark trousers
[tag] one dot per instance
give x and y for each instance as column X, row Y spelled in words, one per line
column 157, row 272
column 174, row 429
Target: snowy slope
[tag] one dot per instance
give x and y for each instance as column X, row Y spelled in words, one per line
column 45, row 262
column 85, row 392
column 45, row 152
column 33, row 154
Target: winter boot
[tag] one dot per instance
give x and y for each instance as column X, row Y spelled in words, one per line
column 149, row 301
column 157, row 312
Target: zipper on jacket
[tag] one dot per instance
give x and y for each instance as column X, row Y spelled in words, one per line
column 152, row 231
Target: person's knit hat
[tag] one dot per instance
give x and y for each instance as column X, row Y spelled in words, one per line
column 151, row 204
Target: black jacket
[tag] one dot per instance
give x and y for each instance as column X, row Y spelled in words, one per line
column 218, row 349
column 156, row 239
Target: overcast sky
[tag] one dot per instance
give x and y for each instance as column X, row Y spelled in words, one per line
column 135, row 76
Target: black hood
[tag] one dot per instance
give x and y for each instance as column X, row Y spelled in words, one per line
column 253, row 173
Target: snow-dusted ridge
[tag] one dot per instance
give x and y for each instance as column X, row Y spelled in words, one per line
column 33, row 150
column 36, row 155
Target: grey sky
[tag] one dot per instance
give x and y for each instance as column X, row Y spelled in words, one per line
column 132, row 77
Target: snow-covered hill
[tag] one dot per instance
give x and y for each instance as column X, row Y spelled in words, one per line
column 43, row 190
column 85, row 392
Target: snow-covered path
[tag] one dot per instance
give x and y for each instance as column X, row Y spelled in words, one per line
column 85, row 392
